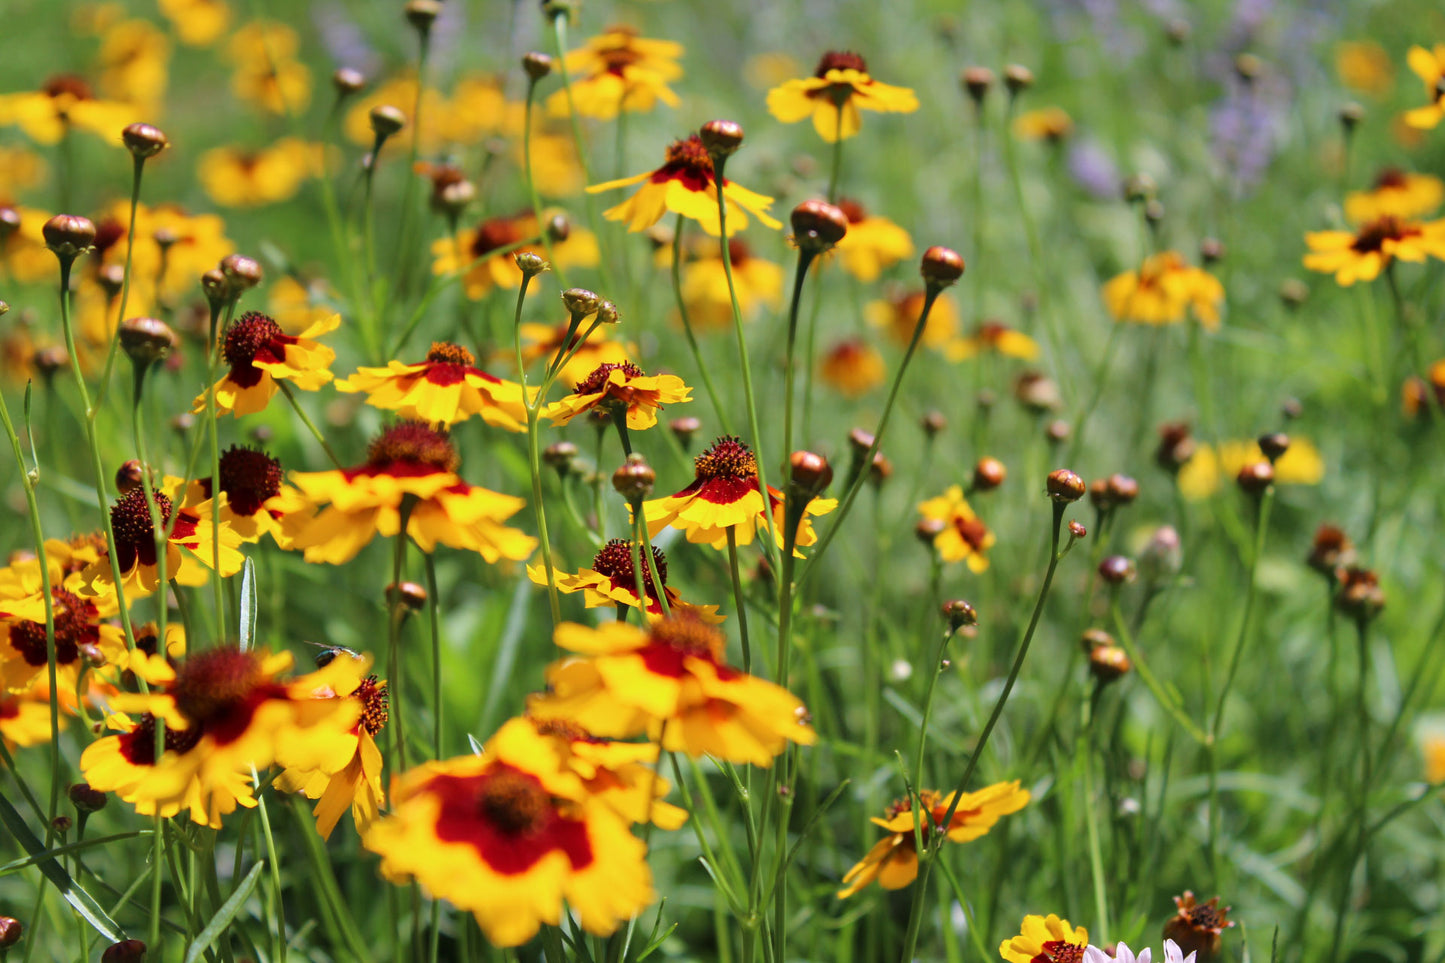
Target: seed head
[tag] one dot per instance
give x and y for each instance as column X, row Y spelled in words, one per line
column 941, row 267
column 386, row 120
column 69, row 235
column 1198, row 927
column 347, row 81
column 537, row 65
column 86, row 799
column 1117, row 570
column 988, row 474
column 818, row 225
column 580, row 302
column 243, row 272
column 634, row 480
column 959, row 613
column 721, row 138
column 1274, row 444
column 1017, row 78
column 1064, row 486
column 147, row 340
column 143, row 140
column 977, row 81
column 1255, row 477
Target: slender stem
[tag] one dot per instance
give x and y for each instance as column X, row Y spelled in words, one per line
column 436, row 656
column 395, row 617
column 702, row 367
column 1126, row 639
column 805, row 258
column 739, row 599
column 306, row 420
column 1085, row 752
column 837, row 163
column 644, row 543
column 104, row 385
column 935, row 670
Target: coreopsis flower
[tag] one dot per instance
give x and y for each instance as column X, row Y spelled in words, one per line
column 1052, row 124
column 556, row 168
column 618, row 70
column 356, row 785
column 411, row 464
column 1211, row 466
column 25, row 715
column 445, row 388
column 852, row 367
column 64, row 102
column 1429, row 66
column 1197, row 927
column 1365, row 67
column 1045, row 939
column 295, row 305
column 963, row 537
column 238, row 177
column 898, row 315
column 20, row 170
column 685, row 184
column 834, row 95
column 23, row 253
column 612, row 580
column 225, row 712
column 893, row 861
column 1163, row 291
column 616, row 774
column 612, row 386
column 996, row 337
column 397, row 90
column 82, row 638
column 197, row 23
column 259, row 353
column 508, row 836
column 542, row 342
column 266, row 71
column 173, row 247
column 872, row 242
column 1395, row 193
column 723, row 495
column 671, row 681
column 132, row 64
column 249, row 478
column 758, row 283
column 1362, row 255
column 190, row 550
column 478, row 253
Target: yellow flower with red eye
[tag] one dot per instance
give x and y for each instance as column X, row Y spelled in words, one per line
column 250, row 479
column 23, row 253
column 1163, row 291
column 25, row 715
column 133, row 64
column 445, row 388
column 1429, row 66
column 834, row 95
column 1362, row 255
column 484, row 255
column 705, row 289
column 1046, row 939
column 872, row 242
column 1211, row 467
column 893, row 861
column 853, row 367
column 621, row 387
column 198, row 23
column 259, row 353
column 996, row 337
column 542, row 342
column 671, row 681
column 963, row 536
column 64, row 102
column 225, row 712
column 238, row 177
column 508, row 836
column 172, row 248
column 336, row 513
column 615, row 71
column 612, row 580
column 267, row 73
column 686, row 184
column 899, row 314
column 1395, row 193
column 725, row 495
column 82, row 639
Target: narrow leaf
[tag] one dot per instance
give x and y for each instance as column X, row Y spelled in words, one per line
column 248, row 605
column 76, row 896
column 225, row 914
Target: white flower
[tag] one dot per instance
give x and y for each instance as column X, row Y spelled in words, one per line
column 1172, row 953
column 1122, row 954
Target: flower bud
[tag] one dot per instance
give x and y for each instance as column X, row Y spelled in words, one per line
column 928, row 529
column 1077, row 530
column 818, row 225
column 958, row 614
column 881, row 470
column 809, row 473
column 407, row 594
column 684, row 429
column 1248, row 67
column 1331, row 551
column 720, row 138
column 530, row 263
column 977, row 81
column 62, row 824
column 1064, row 486
column 216, row 286
column 147, row 340
column 1177, row 31
column 988, row 474
column 1153, row 211
column 128, row 476
column 143, row 140
column 243, row 272
column 1108, row 663
column 9, row 221
column 1255, row 477
column 941, row 267
column 1176, row 446
column 68, row 235
column 1274, row 444
column 558, row 228
column 1211, row 250
column 607, row 313
column 126, row 951
column 454, row 198
column 1162, row 556
column 1092, row 639
column 1359, row 594
column 1117, row 570
column 1017, row 78
column 1293, row 292
column 1057, row 431
column 561, row 456
column 580, row 302
column 1351, row 114
column 86, row 799
column 634, row 480
column 860, row 441
column 933, row 422
column 421, row 14
column 50, row 360
column 1037, row 392
column 111, row 278
column 1139, row 188
column 386, row 120
column 347, row 81
column 537, row 65
column 10, row 932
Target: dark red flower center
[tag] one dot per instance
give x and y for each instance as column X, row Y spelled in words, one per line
column 411, row 445
column 139, row 745
column 620, row 52
column 728, row 458
column 1060, row 951
column 686, row 634
column 508, row 817
column 598, row 379
column 840, row 60
column 130, row 520
column 147, row 640
column 444, row 352
column 514, row 802
column 1390, row 177
column 208, row 685
column 1372, row 236
column 738, row 251
column 852, row 210
column 499, row 232
column 249, row 476
column 374, row 704
column 615, row 562
column 62, row 84
column 250, row 335
column 108, row 233
column 686, row 161
column 972, row 531
column 75, row 629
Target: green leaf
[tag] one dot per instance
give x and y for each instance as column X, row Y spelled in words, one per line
column 74, row 894
column 248, row 605
column 15, row 865
column 225, row 914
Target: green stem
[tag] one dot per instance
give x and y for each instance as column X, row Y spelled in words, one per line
column 104, row 385
column 310, row 425
column 702, row 367
column 805, row 258
column 739, row 599
column 1166, row 702
column 1086, row 752
column 436, row 655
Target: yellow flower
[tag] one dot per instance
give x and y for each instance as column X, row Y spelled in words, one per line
column 1432, row 747
column 444, row 389
column 357, row 783
column 82, row 639
column 1163, row 290
column 1208, row 469
column 893, row 861
column 1429, row 66
column 64, row 102
column 669, row 680
column 833, row 96
column 25, row 716
column 235, row 177
column 758, row 283
column 1363, row 255
column 871, row 244
column 20, row 170
column 508, row 836
column 198, row 23
column 618, row 70
column 166, row 237
column 899, row 314
column 23, row 253
column 1052, row 124
column 133, row 64
column 478, row 252
column 296, row 306
column 556, row 170
column 964, row 537
column 852, row 367
column 477, row 109
column 250, row 478
column 621, row 385
column 541, row 342
column 1045, row 940
column 1395, row 193
column 398, row 91
column 993, row 336
column 611, row 580
column 685, row 184
column 724, row 495
column 225, row 711
column 259, row 353
column 1364, row 66
column 409, row 464
column 266, row 75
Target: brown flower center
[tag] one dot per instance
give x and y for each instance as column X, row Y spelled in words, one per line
column 972, row 531
column 1060, row 951
column 130, row 520
column 727, row 458
column 840, row 60
column 75, row 627
column 619, row 52
column 689, row 157
column 374, row 704
column 1372, row 236
column 738, row 251
column 141, row 741
column 1390, row 177
column 247, row 335
column 249, row 477
column 852, row 210
column 210, row 684
column 615, row 562
column 597, row 380
column 498, row 232
column 62, row 84
column 514, row 802
column 688, row 635
column 444, row 352
column 413, row 443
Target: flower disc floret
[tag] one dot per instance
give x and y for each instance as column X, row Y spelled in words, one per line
column 411, row 446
